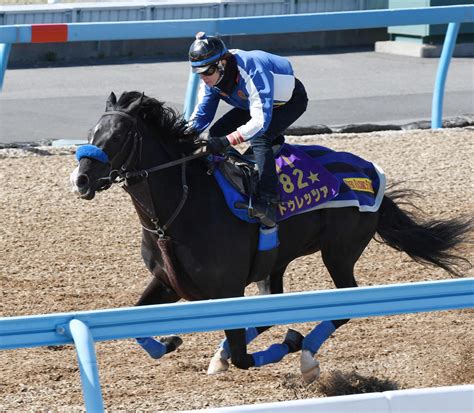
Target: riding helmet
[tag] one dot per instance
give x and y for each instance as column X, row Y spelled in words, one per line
column 205, row 51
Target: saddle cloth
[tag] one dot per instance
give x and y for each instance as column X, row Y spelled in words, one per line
column 310, row 177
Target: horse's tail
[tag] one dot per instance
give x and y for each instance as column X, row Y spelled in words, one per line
column 428, row 242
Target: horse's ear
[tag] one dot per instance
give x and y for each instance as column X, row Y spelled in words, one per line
column 135, row 106
column 111, row 102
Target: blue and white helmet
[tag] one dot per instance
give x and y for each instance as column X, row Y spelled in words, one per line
column 205, row 51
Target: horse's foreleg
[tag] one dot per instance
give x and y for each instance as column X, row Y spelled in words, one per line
column 158, row 348
column 220, row 361
column 241, row 359
column 274, row 353
column 238, row 349
column 157, row 293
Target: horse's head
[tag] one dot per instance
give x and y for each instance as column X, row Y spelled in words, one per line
column 112, row 147
column 135, row 132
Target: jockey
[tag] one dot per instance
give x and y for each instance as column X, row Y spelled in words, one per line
column 267, row 99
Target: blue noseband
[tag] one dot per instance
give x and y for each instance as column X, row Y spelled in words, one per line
column 93, row 152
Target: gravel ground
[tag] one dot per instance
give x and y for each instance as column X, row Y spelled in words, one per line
column 63, row 254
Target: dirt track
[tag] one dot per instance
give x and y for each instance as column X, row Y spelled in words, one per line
column 62, row 254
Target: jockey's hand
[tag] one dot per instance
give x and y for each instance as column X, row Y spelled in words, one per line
column 217, row 144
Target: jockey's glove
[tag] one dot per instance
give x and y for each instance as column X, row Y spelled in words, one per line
column 217, row 144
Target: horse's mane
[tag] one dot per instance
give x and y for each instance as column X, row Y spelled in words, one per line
column 171, row 124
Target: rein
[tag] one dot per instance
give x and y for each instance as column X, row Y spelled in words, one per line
column 145, row 172
column 134, row 157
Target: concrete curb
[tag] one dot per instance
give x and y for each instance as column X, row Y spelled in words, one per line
column 457, row 122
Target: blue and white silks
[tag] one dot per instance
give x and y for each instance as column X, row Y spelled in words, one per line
column 265, row 80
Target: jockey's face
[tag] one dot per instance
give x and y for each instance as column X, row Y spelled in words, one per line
column 211, row 76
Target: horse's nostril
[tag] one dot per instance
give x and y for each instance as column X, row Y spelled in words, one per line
column 82, row 181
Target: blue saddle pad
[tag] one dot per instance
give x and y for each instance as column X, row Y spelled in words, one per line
column 315, row 177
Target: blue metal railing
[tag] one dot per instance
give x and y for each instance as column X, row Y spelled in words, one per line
column 454, row 15
column 85, row 328
column 438, row 93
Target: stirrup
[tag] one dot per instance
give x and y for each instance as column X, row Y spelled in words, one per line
column 258, row 213
column 265, row 211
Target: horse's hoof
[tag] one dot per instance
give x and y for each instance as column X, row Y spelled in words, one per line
column 171, row 343
column 309, row 367
column 219, row 363
column 294, row 340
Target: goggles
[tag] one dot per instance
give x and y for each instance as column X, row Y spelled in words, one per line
column 210, row 71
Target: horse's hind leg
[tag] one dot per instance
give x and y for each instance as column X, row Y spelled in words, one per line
column 342, row 243
column 157, row 293
column 273, row 284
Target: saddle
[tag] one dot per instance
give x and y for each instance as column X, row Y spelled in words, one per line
column 241, row 170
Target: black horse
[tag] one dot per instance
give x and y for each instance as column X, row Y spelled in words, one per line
column 197, row 249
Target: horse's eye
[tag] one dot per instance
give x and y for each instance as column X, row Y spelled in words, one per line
column 89, row 135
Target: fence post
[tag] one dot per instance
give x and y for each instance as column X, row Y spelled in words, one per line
column 84, row 342
column 4, row 53
column 438, row 93
column 191, row 95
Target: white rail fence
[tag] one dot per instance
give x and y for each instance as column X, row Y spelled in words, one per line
column 454, row 399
